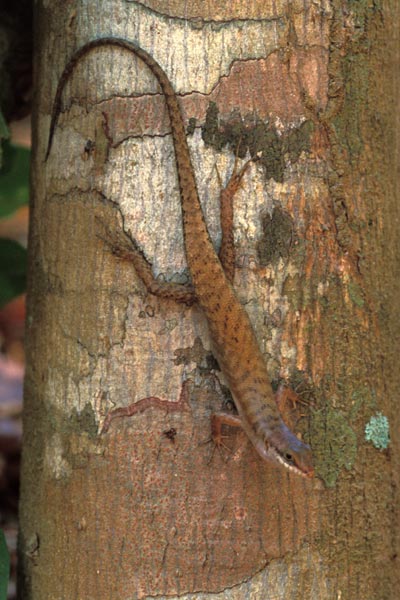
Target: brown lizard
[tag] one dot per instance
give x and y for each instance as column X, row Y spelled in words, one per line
column 233, row 339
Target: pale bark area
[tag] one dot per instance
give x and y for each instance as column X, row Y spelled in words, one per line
column 133, row 513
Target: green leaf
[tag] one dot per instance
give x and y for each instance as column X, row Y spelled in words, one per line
column 14, row 178
column 4, row 566
column 12, row 270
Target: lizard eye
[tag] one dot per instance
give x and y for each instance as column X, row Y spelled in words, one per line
column 289, row 457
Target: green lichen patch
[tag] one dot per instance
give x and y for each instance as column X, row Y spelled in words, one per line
column 334, row 444
column 362, row 397
column 355, row 70
column 356, row 294
column 377, row 431
column 191, row 126
column 263, row 143
column 298, row 140
column 196, row 353
column 84, row 421
column 277, row 238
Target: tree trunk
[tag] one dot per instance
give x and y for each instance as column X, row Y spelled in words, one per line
column 148, row 508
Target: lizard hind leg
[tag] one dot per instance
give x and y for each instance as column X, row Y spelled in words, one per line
column 227, row 253
column 125, row 248
column 219, row 419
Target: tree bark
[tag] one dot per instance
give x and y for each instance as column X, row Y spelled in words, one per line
column 148, row 508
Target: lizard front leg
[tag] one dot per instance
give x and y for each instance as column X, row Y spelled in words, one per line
column 217, row 421
column 283, row 395
column 125, row 248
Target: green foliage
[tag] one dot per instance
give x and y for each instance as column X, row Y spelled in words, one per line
column 12, row 270
column 4, row 567
column 14, row 192
column 14, row 179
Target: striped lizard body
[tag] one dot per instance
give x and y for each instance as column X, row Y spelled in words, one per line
column 233, row 338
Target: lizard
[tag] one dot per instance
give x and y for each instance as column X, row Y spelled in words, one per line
column 233, row 339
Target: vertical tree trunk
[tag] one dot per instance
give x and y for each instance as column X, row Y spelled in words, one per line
column 149, row 509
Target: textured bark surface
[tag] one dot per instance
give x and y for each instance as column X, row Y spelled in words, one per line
column 149, row 509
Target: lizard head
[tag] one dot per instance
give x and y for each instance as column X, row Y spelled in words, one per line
column 283, row 447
